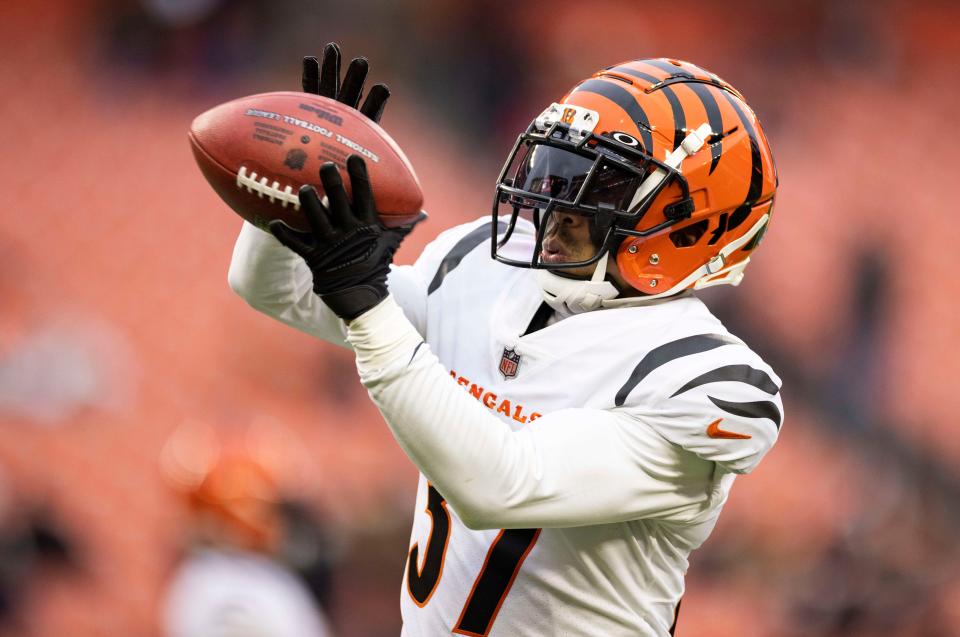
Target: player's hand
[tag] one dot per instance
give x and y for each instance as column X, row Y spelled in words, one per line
column 324, row 79
column 348, row 249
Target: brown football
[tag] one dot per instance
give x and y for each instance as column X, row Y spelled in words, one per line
column 257, row 151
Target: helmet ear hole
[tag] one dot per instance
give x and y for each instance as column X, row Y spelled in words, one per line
column 688, row 236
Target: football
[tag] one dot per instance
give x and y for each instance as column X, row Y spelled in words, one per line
column 258, row 151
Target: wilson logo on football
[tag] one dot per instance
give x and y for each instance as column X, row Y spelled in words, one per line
column 509, row 363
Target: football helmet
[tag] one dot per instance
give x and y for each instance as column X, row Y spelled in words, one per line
column 231, row 490
column 668, row 162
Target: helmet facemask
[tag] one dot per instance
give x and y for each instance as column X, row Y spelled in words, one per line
column 559, row 167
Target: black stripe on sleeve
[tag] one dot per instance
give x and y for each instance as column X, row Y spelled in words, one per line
column 462, row 248
column 759, row 409
column 670, row 351
column 415, row 350
column 733, row 373
column 622, row 98
column 676, row 616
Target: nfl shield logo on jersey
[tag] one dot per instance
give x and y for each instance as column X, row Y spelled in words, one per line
column 509, row 363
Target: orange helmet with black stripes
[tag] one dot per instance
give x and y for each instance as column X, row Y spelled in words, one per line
column 667, row 160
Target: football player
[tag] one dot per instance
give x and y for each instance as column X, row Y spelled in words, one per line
column 578, row 416
column 233, row 579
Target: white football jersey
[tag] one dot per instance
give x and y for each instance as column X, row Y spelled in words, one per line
column 630, row 425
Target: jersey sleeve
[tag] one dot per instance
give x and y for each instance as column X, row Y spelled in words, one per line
column 573, row 467
column 717, row 399
column 276, row 281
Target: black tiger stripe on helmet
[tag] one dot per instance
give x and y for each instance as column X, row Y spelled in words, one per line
column 706, row 97
column 754, row 190
column 611, row 90
column 679, row 118
column 700, row 82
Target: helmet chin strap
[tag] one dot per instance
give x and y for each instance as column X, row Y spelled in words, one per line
column 573, row 296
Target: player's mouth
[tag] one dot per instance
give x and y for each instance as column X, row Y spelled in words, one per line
column 553, row 252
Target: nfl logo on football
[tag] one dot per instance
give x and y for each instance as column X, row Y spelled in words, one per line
column 509, row 363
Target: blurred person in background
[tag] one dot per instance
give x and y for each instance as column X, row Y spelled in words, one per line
column 34, row 547
column 255, row 563
column 560, row 493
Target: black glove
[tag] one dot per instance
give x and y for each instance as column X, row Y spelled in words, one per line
column 325, row 81
column 348, row 249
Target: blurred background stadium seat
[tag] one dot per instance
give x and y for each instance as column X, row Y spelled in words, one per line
column 117, row 325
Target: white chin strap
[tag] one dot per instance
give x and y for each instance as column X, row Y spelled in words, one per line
column 573, row 296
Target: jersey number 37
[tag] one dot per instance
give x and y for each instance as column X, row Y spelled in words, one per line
column 500, row 568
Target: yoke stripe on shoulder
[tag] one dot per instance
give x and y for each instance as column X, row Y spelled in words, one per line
column 733, row 373
column 462, row 248
column 667, row 352
column 758, row 409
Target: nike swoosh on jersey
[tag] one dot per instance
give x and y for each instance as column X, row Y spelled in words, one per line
column 714, row 431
